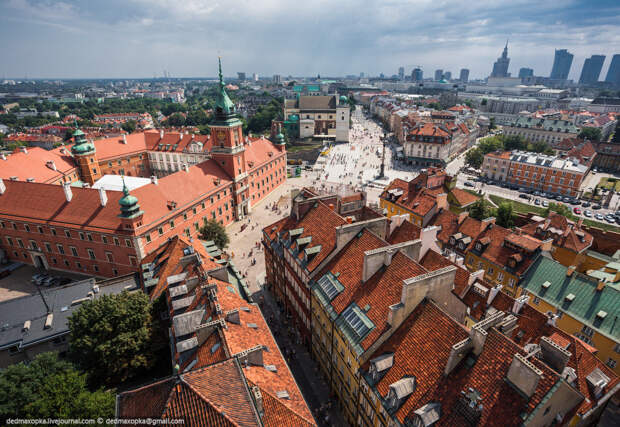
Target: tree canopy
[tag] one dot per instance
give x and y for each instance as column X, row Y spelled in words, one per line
column 475, row 156
column 213, row 230
column 129, row 126
column 589, row 133
column 48, row 387
column 480, row 209
column 504, row 215
column 112, row 337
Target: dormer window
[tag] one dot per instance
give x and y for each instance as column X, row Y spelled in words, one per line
column 399, row 392
column 478, row 246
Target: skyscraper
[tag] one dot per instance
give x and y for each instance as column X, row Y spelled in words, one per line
column 277, row 78
column 561, row 64
column 525, row 72
column 447, row 75
column 240, row 76
column 438, row 74
column 401, row 73
column 591, row 69
column 500, row 67
column 464, row 76
column 417, row 75
column 613, row 74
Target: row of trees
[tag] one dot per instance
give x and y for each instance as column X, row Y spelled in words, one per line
column 504, row 213
column 475, row 156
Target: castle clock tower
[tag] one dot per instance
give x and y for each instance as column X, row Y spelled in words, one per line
column 228, row 147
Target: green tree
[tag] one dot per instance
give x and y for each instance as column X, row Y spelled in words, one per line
column 479, row 209
column 504, row 215
column 176, row 119
column 560, row 208
column 49, row 387
column 129, row 126
column 484, row 101
column 474, row 158
column 112, row 337
column 616, row 137
column 592, row 134
column 492, row 124
column 213, row 230
column 197, row 118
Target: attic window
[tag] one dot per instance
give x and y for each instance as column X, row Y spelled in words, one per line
column 252, row 325
column 546, row 285
column 271, row 368
column 601, row 314
column 282, row 394
column 570, row 297
column 215, row 347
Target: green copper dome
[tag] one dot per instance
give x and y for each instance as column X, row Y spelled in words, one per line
column 81, row 146
column 344, row 99
column 225, row 111
column 129, row 204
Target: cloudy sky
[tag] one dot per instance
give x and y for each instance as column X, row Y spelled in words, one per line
column 141, row 38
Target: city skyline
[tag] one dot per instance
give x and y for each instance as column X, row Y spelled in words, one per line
column 93, row 40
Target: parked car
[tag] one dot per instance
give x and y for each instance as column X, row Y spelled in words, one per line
column 545, row 203
column 537, row 193
column 468, row 184
column 599, row 216
column 586, row 204
column 537, row 202
column 587, row 213
column 610, row 219
column 525, row 196
column 596, row 207
column 577, row 211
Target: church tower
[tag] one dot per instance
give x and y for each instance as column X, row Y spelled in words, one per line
column 84, row 153
column 229, row 148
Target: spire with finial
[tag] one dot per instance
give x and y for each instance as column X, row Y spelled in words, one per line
column 219, row 60
column 129, row 204
column 81, row 144
column 225, row 112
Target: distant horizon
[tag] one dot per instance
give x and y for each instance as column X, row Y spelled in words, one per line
column 114, row 39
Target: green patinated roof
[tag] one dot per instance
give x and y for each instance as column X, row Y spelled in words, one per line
column 309, row 88
column 556, row 125
column 225, row 111
column 587, row 301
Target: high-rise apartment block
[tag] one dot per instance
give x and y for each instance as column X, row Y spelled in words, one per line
column 561, row 64
column 592, row 69
column 241, row 76
column 438, row 74
column 447, row 75
column 464, row 76
column 500, row 67
column 401, row 73
column 525, row 73
column 613, row 74
column 417, row 75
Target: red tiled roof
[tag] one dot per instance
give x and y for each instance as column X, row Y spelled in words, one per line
column 429, row 129
column 462, row 197
column 405, row 232
column 566, row 236
column 421, row 347
column 33, row 164
column 498, row 253
column 28, row 201
column 215, row 396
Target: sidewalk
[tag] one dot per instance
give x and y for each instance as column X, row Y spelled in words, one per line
column 305, row 370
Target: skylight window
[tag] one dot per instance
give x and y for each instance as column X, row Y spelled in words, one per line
column 330, row 285
column 357, row 321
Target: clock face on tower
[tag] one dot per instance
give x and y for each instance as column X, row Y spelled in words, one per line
column 221, row 135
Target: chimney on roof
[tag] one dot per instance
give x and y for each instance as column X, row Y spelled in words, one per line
column 2, row 187
column 84, row 185
column 579, row 223
column 462, row 216
column 103, row 197
column 258, row 400
column 523, row 375
column 67, row 189
column 24, row 150
column 30, row 179
column 51, row 164
column 193, row 135
column 600, row 286
column 519, row 303
column 554, row 355
column 161, row 134
column 184, row 167
column 63, row 150
column 124, row 140
column 153, row 179
column 13, row 178
column 570, row 270
column 2, row 156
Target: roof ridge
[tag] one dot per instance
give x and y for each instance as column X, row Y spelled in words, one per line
column 263, row 390
column 208, row 402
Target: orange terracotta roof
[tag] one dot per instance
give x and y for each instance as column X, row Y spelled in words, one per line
column 421, row 347
column 184, row 188
column 429, row 129
column 111, row 148
column 463, row 198
column 31, row 201
column 33, row 164
column 257, row 153
column 565, row 233
column 405, row 232
column 499, row 254
column 215, row 395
